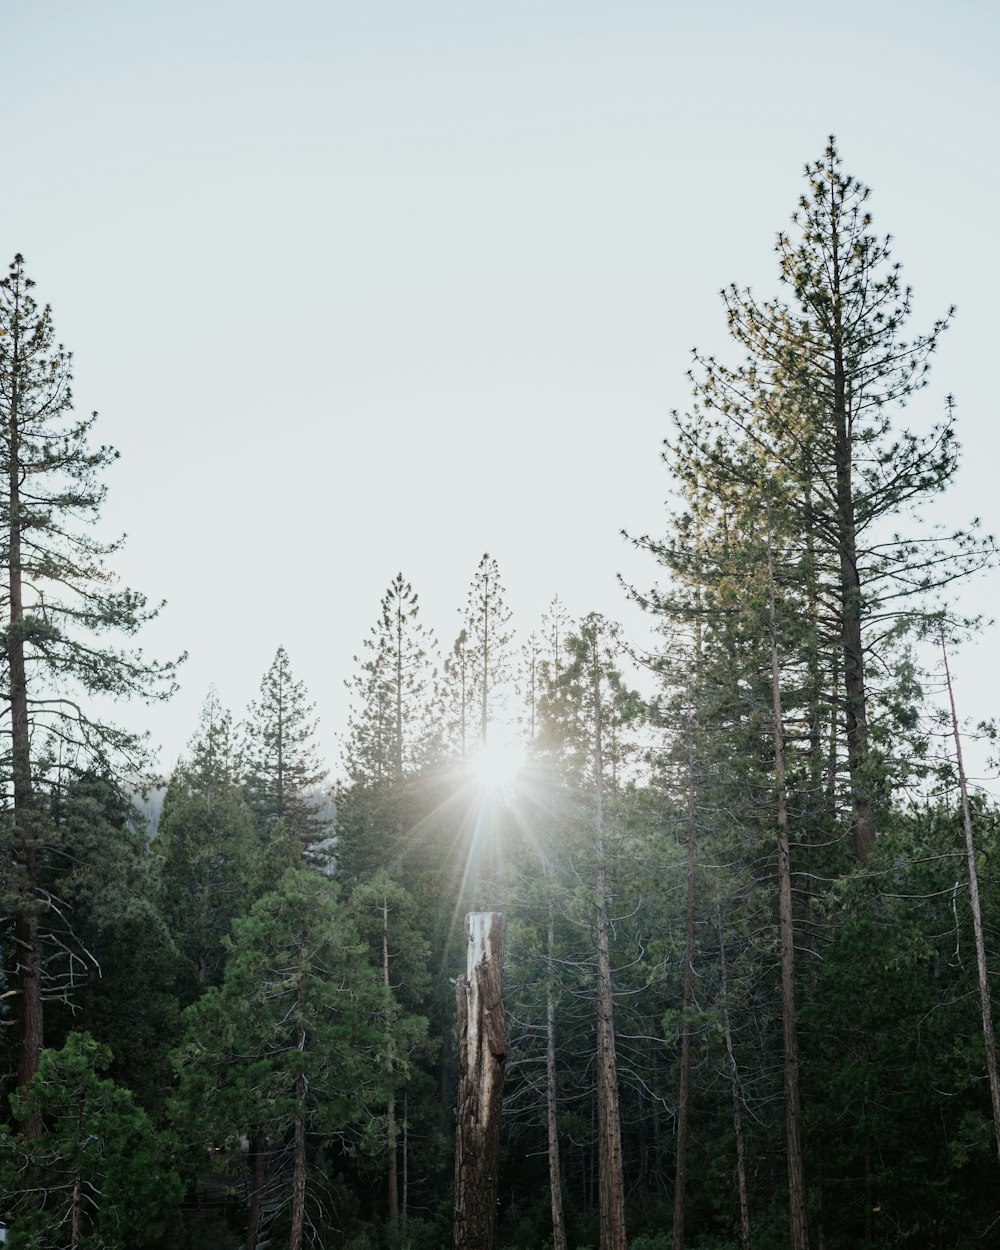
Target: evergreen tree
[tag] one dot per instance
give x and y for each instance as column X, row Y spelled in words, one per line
column 283, row 770
column 110, row 963
column 811, row 408
column 588, row 713
column 292, row 1047
column 385, row 915
column 98, row 1175
column 487, row 620
column 58, row 598
column 457, row 696
column 391, row 735
column 206, row 846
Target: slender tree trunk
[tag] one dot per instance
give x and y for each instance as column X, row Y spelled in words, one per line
column 734, row 1081
column 299, row 1157
column 555, row 1172
column 793, row 1117
column 299, row 1145
column 406, row 1163
column 26, row 939
column 390, row 1111
column 77, row 1194
column 257, row 1161
column 986, row 1009
column 680, row 1176
column 855, row 701
column 611, row 1185
column 482, row 1058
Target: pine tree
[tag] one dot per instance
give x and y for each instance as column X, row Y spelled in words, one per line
column 389, row 732
column 99, row 1174
column 457, row 696
column 587, row 715
column 385, row 916
column 283, row 770
column 59, row 600
column 292, row 1045
column 811, row 409
column 206, row 846
column 487, row 618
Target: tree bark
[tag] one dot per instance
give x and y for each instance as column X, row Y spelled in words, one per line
column 482, row 1057
column 390, row 1110
column 26, row 939
column 986, row 1009
column 611, row 1186
column 257, row 1160
column 680, row 1175
column 734, row 1080
column 798, row 1223
column 855, row 701
column 299, row 1158
column 555, row 1172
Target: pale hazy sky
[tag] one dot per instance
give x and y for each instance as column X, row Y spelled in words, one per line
column 377, row 286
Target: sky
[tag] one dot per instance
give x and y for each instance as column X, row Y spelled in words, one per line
column 376, row 287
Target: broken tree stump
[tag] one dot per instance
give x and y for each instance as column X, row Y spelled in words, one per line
column 482, row 1056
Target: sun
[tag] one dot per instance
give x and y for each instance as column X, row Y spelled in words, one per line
column 495, row 765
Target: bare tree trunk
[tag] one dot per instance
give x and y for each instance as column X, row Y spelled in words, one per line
column 299, row 1159
column 734, row 1080
column 482, row 1057
column 257, row 1161
column 555, row 1172
column 26, row 939
column 989, row 1041
column 680, row 1176
column 77, row 1195
column 611, row 1185
column 798, row 1222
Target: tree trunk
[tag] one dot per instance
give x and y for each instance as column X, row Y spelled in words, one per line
column 611, row 1185
column 76, row 1200
column 257, row 1161
column 482, row 1056
column 390, row 1110
column 796, row 1177
column 555, row 1173
column 299, row 1158
column 406, row 1163
column 986, row 1009
column 734, row 1080
column 855, row 703
column 26, row 939
column 680, row 1176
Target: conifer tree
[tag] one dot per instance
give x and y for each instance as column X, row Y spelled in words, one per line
column 811, row 407
column 283, row 770
column 587, row 715
column 292, row 1045
column 59, row 600
column 487, row 620
column 99, row 1175
column 457, row 696
column 389, row 731
column 206, row 846
column 384, row 913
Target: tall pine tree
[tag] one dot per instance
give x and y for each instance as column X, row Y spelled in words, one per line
column 59, row 600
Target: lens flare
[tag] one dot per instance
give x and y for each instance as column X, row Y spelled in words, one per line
column 495, row 765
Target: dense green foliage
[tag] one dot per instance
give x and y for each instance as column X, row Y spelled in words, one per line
column 267, row 977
